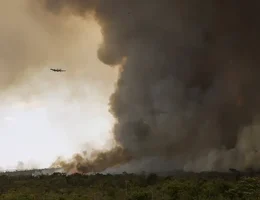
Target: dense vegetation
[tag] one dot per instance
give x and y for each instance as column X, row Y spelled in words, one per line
column 129, row 186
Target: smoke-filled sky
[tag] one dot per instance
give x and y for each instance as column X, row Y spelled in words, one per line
column 44, row 114
column 187, row 89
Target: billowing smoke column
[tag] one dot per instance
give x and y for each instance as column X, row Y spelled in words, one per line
column 97, row 162
column 189, row 83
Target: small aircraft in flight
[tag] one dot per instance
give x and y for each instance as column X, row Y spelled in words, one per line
column 58, row 70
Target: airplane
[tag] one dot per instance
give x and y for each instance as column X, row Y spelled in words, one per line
column 58, row 70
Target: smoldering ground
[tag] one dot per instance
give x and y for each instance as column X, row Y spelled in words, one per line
column 188, row 89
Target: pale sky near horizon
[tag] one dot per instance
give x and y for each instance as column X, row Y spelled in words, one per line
column 37, row 132
column 48, row 114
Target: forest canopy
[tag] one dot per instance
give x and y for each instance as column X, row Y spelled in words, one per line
column 129, row 186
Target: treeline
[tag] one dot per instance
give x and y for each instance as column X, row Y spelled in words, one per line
column 129, row 187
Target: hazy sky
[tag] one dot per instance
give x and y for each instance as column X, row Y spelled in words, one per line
column 52, row 125
column 45, row 114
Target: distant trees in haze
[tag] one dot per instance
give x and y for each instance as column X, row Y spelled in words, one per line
column 191, row 186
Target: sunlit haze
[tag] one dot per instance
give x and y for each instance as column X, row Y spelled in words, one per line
column 52, row 114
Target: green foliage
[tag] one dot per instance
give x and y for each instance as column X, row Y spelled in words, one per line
column 128, row 187
column 247, row 188
column 140, row 195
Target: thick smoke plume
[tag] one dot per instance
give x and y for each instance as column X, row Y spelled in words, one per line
column 98, row 160
column 189, row 81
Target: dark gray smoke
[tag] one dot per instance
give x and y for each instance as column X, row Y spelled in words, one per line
column 190, row 79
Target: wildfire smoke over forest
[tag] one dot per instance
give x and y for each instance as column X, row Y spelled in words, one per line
column 188, row 87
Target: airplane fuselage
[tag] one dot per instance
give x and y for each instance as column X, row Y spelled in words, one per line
column 58, row 70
